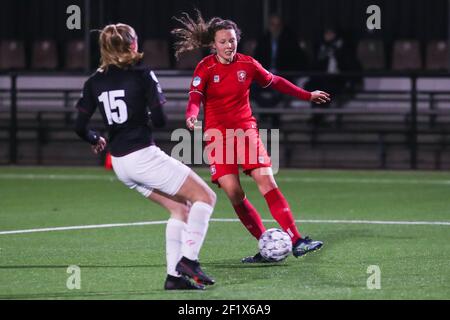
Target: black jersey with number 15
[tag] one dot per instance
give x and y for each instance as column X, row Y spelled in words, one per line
column 123, row 97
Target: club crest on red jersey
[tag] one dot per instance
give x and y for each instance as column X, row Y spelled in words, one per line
column 242, row 75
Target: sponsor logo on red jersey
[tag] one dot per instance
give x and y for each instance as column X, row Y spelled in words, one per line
column 196, row 81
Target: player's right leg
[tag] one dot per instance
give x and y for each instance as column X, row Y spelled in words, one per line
column 179, row 212
column 203, row 200
column 151, row 169
column 248, row 215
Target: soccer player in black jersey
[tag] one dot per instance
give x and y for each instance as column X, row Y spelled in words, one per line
column 124, row 90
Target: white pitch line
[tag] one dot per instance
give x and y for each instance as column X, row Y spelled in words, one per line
column 116, row 225
column 365, row 180
column 438, row 223
column 31, row 176
column 88, row 177
column 92, row 226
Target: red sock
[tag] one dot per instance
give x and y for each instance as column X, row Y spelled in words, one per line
column 250, row 218
column 281, row 212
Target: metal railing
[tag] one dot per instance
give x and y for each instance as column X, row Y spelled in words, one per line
column 415, row 104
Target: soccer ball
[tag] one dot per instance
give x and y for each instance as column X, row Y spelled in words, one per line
column 275, row 245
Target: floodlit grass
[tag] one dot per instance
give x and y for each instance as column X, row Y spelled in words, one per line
column 129, row 262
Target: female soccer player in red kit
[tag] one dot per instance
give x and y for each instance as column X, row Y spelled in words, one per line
column 222, row 82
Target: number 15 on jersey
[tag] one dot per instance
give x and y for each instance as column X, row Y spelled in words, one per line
column 115, row 108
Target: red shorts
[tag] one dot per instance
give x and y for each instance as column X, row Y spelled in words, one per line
column 227, row 150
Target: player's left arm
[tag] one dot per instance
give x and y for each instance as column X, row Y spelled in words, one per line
column 266, row 79
column 86, row 108
column 286, row 87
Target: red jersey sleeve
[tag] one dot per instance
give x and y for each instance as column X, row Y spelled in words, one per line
column 199, row 80
column 263, row 77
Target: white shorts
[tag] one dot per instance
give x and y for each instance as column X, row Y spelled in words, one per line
column 150, row 168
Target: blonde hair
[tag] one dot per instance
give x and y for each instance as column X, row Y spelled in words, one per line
column 115, row 42
column 199, row 33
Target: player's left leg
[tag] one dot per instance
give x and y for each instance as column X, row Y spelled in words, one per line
column 280, row 210
column 278, row 205
column 151, row 169
column 174, row 229
column 176, row 225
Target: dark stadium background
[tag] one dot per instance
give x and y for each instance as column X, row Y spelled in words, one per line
column 391, row 115
column 371, row 180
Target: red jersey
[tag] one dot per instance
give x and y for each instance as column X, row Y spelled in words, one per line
column 226, row 89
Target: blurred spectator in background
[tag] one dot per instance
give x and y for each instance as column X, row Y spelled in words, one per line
column 335, row 55
column 278, row 51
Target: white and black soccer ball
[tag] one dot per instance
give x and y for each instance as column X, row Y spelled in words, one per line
column 275, row 245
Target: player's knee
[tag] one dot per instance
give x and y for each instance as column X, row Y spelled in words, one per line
column 180, row 212
column 210, row 197
column 179, row 215
column 183, row 211
column 206, row 195
column 266, row 186
column 236, row 196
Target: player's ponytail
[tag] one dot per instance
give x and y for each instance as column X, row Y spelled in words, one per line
column 196, row 33
column 116, row 46
column 192, row 35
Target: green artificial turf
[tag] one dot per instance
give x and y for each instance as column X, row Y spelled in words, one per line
column 128, row 262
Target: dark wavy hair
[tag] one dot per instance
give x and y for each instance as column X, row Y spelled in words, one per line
column 199, row 33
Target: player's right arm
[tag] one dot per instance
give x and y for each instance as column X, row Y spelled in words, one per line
column 86, row 107
column 196, row 95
